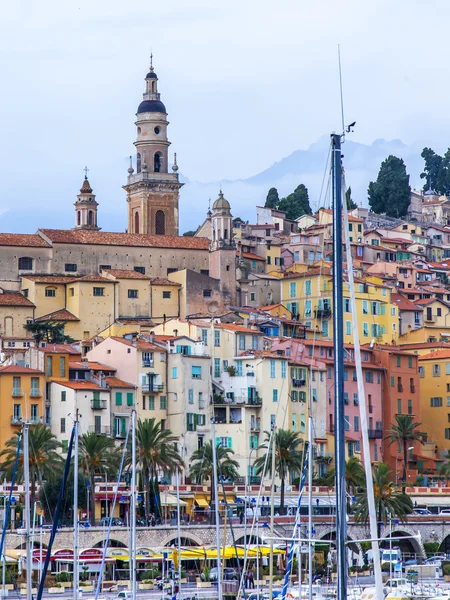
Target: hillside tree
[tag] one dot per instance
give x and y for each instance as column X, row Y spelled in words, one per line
column 272, row 199
column 391, row 192
column 296, row 204
column 432, row 171
column 348, row 198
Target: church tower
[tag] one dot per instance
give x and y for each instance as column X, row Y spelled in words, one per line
column 222, row 256
column 152, row 192
column 86, row 207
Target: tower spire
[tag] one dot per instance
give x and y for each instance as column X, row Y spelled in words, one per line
column 86, row 206
column 151, row 62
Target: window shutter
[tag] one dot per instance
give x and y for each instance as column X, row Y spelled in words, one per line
column 118, row 398
column 229, row 442
column 218, row 442
column 178, row 348
column 129, row 398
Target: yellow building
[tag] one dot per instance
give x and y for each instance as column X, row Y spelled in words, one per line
column 273, row 257
column 434, row 371
column 15, row 312
column 21, row 398
column 309, row 295
column 436, row 323
column 47, row 292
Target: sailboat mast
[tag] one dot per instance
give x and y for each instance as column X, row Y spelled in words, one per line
column 132, row 557
column 338, row 334
column 26, row 482
column 76, row 567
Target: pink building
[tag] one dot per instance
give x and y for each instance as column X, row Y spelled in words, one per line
column 311, row 350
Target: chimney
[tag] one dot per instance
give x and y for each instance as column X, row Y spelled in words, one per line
column 152, row 336
column 175, row 332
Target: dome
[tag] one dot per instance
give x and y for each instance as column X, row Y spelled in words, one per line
column 221, row 203
column 151, row 106
column 151, row 75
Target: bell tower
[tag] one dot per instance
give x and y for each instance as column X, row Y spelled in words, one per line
column 86, row 207
column 152, row 191
column 222, row 249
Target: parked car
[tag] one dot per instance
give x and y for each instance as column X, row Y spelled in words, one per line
column 115, row 522
column 434, row 560
column 229, row 574
column 445, row 512
column 422, row 511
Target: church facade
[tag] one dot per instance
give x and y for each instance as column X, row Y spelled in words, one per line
column 151, row 245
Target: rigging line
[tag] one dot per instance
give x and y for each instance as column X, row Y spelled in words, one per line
column 341, row 90
column 106, row 542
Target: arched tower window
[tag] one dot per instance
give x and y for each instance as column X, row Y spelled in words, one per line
column 136, row 222
column 78, row 217
column 138, row 162
column 160, row 223
column 90, row 217
column 225, row 234
column 153, row 86
column 158, row 162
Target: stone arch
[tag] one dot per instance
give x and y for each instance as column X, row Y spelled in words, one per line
column 111, row 544
column 172, row 539
column 91, row 218
column 138, row 162
column 35, row 545
column 136, row 222
column 249, row 539
column 185, row 541
column 160, row 222
column 445, row 543
column 8, row 326
column 330, row 536
column 78, row 217
column 409, row 546
column 157, row 162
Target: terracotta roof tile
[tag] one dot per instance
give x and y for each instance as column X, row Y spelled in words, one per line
column 93, row 278
column 75, row 364
column 14, row 299
column 104, row 238
column 125, row 274
column 59, row 315
column 163, row 281
column 96, row 366
column 29, row 240
column 59, row 349
column 141, row 344
column 81, row 385
column 439, row 354
column 251, row 256
column 44, row 278
column 237, row 328
column 403, row 303
column 19, row 369
column 115, row 382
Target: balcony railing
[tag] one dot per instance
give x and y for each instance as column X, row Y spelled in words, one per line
column 297, row 383
column 36, row 420
column 254, row 480
column 237, row 400
column 375, row 434
column 17, row 392
column 147, row 363
column 104, row 429
column 35, row 393
column 256, row 401
column 156, row 387
column 255, row 426
column 98, row 404
column 16, row 420
column 322, row 313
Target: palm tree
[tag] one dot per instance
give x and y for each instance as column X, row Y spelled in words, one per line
column 445, row 467
column 97, row 454
column 388, row 499
column 288, row 458
column 202, row 466
column 355, row 475
column 155, row 451
column 45, row 462
column 404, row 432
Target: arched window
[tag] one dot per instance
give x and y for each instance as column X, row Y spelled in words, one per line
column 26, row 263
column 91, row 217
column 136, row 222
column 138, row 162
column 153, row 86
column 160, row 223
column 225, row 234
column 158, row 162
column 78, row 217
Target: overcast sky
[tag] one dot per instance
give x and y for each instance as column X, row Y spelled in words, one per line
column 245, row 83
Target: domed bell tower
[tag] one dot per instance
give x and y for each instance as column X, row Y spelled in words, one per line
column 86, row 207
column 152, row 192
column 222, row 257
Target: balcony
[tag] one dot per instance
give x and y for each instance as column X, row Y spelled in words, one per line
column 298, row 383
column 237, row 400
column 16, row 420
column 255, row 426
column 36, row 420
column 255, row 401
column 400, row 387
column 35, row 393
column 17, row 392
column 254, row 480
column 412, row 388
column 103, row 430
column 98, row 404
column 322, row 313
column 147, row 363
column 375, row 434
column 155, row 387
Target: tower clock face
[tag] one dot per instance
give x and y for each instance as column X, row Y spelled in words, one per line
column 157, row 130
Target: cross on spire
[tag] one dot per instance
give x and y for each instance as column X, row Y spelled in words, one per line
column 86, row 170
column 151, row 61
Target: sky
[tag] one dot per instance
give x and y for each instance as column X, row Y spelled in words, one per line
column 245, row 84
